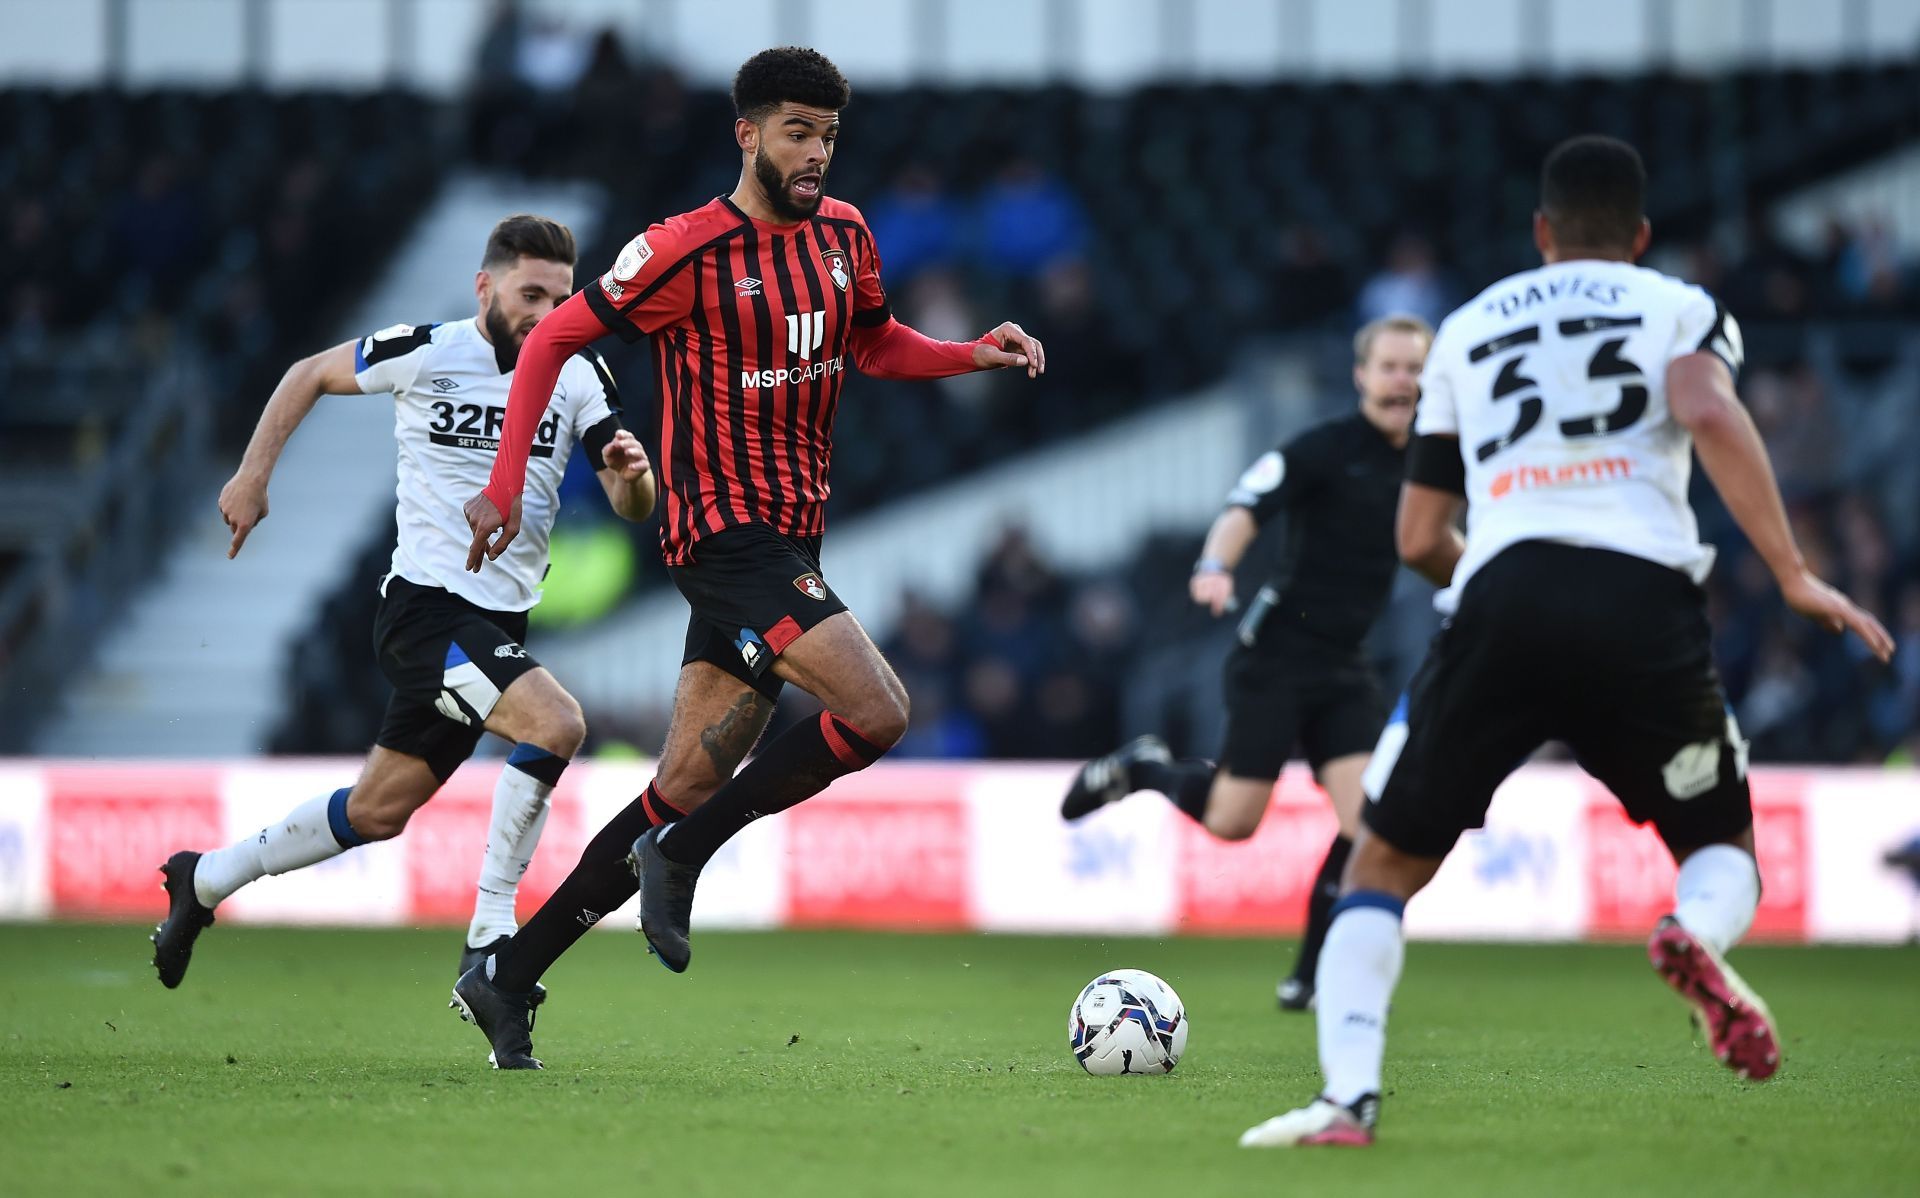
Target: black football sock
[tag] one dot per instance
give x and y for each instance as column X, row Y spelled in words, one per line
column 1326, row 892
column 597, row 885
column 1186, row 782
column 795, row 766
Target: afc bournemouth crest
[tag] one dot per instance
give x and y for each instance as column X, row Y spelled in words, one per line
column 836, row 262
column 811, row 586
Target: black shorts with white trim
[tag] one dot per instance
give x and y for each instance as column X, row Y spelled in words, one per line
column 449, row 661
column 1604, row 651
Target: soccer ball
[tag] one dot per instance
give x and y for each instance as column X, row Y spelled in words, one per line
column 1127, row 1021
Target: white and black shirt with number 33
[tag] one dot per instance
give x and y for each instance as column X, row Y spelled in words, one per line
column 449, row 402
column 1554, row 383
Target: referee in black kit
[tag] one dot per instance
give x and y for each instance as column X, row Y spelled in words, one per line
column 1298, row 675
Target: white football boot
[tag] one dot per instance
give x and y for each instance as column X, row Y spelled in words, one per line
column 1321, row 1121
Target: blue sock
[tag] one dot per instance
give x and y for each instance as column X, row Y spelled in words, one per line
column 337, row 820
column 537, row 763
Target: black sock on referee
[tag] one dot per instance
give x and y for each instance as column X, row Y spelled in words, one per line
column 792, row 768
column 1326, row 892
column 1186, row 782
column 597, row 885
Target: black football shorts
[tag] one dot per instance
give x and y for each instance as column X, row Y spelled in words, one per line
column 1604, row 651
column 1291, row 689
column 449, row 660
column 753, row 591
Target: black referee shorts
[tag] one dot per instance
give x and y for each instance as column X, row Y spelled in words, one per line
column 1604, row 651
column 1290, row 689
column 753, row 591
column 449, row 661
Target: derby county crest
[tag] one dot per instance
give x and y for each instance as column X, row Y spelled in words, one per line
column 836, row 261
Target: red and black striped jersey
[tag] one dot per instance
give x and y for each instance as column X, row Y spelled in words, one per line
column 754, row 325
column 753, row 322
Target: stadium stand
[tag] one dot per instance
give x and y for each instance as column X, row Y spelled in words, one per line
column 1193, row 248
column 1165, row 252
column 148, row 309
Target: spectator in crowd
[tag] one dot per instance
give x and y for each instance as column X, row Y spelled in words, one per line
column 918, row 225
column 497, row 58
column 1896, row 705
column 1863, row 264
column 1409, row 282
column 1790, row 409
column 553, row 57
column 1772, row 280
column 1096, row 370
column 1310, row 284
column 157, row 229
column 1028, row 220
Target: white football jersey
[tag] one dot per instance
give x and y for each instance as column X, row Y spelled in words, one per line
column 449, row 405
column 1554, row 380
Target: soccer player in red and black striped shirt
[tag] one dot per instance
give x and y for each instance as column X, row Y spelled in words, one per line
column 757, row 301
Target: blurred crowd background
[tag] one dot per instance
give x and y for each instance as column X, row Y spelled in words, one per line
column 169, row 250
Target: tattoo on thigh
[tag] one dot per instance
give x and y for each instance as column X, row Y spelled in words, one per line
column 728, row 741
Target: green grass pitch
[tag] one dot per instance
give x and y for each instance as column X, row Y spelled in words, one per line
column 307, row 1062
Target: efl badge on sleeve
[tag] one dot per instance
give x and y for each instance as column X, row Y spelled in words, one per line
column 632, row 257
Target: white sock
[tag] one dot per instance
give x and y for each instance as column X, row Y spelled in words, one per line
column 1358, row 968
column 1716, row 893
column 305, row 836
column 519, row 815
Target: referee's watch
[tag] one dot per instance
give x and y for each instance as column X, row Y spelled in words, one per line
column 1210, row 565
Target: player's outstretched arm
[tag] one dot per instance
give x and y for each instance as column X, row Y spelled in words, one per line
column 496, row 509
column 627, row 477
column 243, row 501
column 1212, row 583
column 1701, row 397
column 895, row 351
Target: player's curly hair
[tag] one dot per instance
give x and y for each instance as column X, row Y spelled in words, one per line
column 790, row 73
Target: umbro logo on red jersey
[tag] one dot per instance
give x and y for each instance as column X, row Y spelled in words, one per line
column 747, row 287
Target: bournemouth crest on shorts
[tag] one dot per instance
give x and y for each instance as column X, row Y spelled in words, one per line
column 811, row 586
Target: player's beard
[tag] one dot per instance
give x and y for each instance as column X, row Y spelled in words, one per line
column 779, row 191
column 506, row 339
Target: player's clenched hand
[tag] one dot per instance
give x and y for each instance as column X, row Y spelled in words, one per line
column 624, row 456
column 1015, row 347
column 1835, row 612
column 1213, row 590
column 243, row 504
column 485, row 520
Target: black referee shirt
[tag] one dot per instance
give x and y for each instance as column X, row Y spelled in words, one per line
column 1338, row 483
